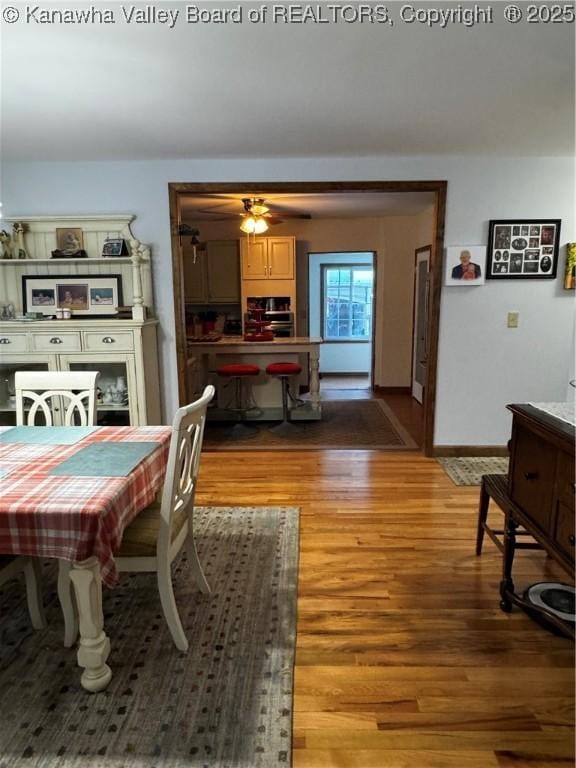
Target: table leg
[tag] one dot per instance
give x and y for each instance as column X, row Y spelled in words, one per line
column 315, row 379
column 94, row 645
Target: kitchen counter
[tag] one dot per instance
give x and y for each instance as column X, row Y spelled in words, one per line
column 202, row 359
column 238, row 341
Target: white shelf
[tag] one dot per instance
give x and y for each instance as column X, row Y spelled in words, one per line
column 106, row 407
column 112, row 407
column 89, row 260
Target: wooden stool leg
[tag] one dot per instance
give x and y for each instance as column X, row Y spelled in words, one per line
column 482, row 517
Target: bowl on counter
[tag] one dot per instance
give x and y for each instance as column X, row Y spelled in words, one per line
column 263, row 336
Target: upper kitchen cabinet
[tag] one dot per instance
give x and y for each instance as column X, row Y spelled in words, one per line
column 268, row 258
column 214, row 278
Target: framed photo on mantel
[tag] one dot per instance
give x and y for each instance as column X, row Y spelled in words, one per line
column 523, row 248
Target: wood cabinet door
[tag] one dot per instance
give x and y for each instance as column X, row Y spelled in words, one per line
column 223, row 269
column 195, row 288
column 254, row 258
column 281, row 258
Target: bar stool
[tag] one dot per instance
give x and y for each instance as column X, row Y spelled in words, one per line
column 284, row 372
column 236, row 373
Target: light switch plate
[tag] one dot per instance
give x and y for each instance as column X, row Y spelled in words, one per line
column 513, row 319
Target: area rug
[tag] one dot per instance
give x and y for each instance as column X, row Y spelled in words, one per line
column 227, row 703
column 468, row 470
column 345, row 424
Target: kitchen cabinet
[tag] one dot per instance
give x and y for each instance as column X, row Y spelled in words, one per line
column 268, row 258
column 214, row 278
column 124, row 352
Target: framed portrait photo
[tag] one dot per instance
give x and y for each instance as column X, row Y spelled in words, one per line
column 114, row 247
column 83, row 295
column 523, row 248
column 465, row 265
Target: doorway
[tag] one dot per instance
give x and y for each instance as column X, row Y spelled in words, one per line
column 178, row 191
column 341, row 312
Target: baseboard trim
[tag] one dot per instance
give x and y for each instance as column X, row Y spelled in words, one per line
column 344, row 374
column 469, row 450
column 392, row 390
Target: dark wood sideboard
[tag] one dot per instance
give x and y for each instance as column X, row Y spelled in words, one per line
column 541, row 491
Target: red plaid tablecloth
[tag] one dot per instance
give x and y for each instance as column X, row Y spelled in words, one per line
column 74, row 518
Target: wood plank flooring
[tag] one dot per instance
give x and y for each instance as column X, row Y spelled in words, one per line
column 404, row 659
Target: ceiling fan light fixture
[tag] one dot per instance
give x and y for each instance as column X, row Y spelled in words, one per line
column 254, row 225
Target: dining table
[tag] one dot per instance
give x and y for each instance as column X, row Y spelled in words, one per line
column 69, row 493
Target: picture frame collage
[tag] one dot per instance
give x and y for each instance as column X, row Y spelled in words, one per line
column 523, row 248
column 83, row 295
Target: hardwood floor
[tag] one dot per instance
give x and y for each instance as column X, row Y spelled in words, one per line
column 404, row 659
column 409, row 413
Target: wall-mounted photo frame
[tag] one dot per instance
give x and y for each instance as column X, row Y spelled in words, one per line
column 84, row 295
column 114, row 247
column 570, row 271
column 523, row 248
column 465, row 265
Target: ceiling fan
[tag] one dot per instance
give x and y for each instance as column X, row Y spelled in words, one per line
column 259, row 209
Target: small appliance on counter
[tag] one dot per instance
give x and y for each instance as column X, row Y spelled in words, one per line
column 232, row 326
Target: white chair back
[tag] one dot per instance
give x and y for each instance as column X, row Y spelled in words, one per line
column 73, row 391
column 183, row 461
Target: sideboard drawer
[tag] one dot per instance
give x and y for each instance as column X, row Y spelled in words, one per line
column 532, row 477
column 13, row 342
column 56, row 342
column 121, row 341
column 565, row 530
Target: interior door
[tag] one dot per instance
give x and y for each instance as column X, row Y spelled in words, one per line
column 420, row 331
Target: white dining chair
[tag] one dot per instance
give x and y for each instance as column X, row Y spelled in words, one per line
column 46, row 393
column 155, row 537
column 10, row 567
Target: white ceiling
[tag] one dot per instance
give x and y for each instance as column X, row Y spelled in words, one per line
column 269, row 90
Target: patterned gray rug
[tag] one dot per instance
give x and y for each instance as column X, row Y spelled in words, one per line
column 468, row 470
column 227, row 703
column 345, row 424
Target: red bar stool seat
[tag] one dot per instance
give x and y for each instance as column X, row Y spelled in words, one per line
column 284, row 372
column 236, row 373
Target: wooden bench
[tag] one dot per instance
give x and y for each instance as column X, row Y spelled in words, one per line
column 495, row 487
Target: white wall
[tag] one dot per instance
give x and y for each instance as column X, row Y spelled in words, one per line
column 334, row 357
column 482, row 364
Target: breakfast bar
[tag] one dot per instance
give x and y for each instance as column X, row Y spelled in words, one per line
column 204, row 357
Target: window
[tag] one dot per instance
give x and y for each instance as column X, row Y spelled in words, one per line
column 348, row 303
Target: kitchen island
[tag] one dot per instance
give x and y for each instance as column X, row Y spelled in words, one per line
column 204, row 357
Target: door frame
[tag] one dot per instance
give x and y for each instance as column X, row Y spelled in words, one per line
column 374, row 256
column 426, row 249
column 261, row 189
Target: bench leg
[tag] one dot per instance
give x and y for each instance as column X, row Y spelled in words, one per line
column 507, row 585
column 482, row 517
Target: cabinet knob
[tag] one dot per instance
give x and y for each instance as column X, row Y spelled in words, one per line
column 572, row 539
column 530, row 475
column 4, row 340
column 108, row 340
column 55, row 340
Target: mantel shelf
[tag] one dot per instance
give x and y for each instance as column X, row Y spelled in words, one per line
column 102, row 260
